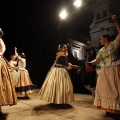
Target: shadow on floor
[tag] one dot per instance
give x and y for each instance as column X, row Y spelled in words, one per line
column 60, row 106
column 53, row 106
column 3, row 117
column 23, row 98
column 113, row 116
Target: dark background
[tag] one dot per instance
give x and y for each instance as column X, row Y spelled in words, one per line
column 34, row 27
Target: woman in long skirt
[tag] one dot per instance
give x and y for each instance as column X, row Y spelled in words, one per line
column 107, row 94
column 57, row 87
column 24, row 85
column 7, row 87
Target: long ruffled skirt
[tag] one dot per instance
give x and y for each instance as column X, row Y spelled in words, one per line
column 107, row 96
column 24, row 85
column 57, row 87
column 7, row 87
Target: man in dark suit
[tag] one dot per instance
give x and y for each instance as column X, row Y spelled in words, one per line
column 88, row 73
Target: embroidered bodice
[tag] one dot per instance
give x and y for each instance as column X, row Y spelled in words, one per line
column 109, row 55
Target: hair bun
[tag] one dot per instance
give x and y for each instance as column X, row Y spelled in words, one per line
column 1, row 32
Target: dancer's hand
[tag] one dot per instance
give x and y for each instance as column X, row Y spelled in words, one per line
column 15, row 48
column 78, row 71
column 75, row 66
column 114, row 17
column 88, row 63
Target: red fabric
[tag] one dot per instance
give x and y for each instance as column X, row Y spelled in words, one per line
column 89, row 68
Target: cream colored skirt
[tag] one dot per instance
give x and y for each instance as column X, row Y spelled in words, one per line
column 57, row 87
column 107, row 94
column 24, row 84
column 7, row 87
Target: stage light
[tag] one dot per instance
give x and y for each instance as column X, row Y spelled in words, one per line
column 77, row 3
column 63, row 14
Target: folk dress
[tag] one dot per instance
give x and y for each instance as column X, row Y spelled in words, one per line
column 7, row 86
column 107, row 94
column 13, row 64
column 57, row 87
column 24, row 85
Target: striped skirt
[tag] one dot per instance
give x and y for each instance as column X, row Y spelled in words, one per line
column 7, row 87
column 24, row 84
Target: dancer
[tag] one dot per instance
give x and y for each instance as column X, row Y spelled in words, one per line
column 88, row 73
column 107, row 94
column 13, row 64
column 57, row 87
column 24, row 84
column 7, row 90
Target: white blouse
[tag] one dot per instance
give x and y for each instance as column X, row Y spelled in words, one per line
column 13, row 63
column 2, row 47
column 22, row 63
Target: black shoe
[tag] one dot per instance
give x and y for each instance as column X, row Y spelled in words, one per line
column 108, row 113
column 26, row 97
column 1, row 114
